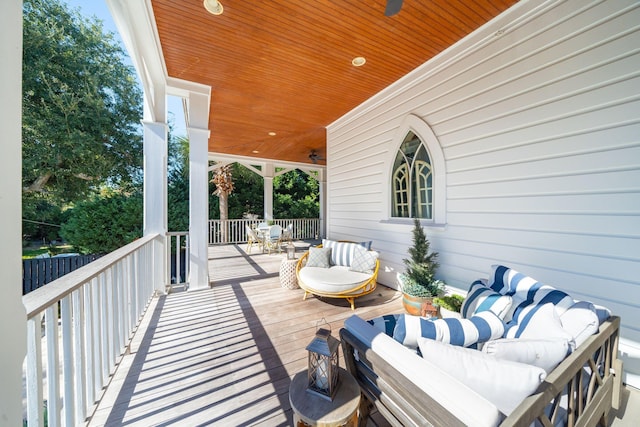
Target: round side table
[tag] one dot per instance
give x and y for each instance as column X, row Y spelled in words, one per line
column 312, row 410
column 288, row 277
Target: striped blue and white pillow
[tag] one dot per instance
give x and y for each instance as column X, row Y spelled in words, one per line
column 482, row 327
column 526, row 291
column 481, row 298
column 342, row 253
column 386, row 323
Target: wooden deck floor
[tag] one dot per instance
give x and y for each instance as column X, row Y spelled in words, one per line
column 225, row 356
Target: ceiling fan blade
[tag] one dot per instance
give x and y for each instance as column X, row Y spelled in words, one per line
column 393, row 7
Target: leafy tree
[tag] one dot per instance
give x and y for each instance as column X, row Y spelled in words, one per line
column 296, row 195
column 105, row 222
column 81, row 106
column 247, row 196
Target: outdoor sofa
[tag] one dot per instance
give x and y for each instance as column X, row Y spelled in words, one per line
column 338, row 269
column 520, row 354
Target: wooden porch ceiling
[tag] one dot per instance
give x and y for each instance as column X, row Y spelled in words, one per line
column 284, row 66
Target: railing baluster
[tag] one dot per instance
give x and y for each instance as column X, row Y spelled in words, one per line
column 79, row 353
column 88, row 343
column 67, row 369
column 96, row 309
column 54, row 402
column 35, row 415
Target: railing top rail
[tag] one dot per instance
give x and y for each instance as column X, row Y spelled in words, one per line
column 176, row 233
column 41, row 298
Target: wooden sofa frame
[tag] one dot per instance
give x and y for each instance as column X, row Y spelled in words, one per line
column 592, row 392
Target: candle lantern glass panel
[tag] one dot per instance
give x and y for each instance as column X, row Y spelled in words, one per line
column 323, row 364
column 291, row 251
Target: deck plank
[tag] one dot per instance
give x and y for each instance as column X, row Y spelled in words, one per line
column 225, row 356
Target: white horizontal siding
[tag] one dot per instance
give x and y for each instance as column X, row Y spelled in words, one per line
column 538, row 117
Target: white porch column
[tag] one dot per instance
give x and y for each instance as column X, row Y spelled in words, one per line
column 155, row 193
column 198, row 191
column 322, row 196
column 13, row 325
column 269, row 171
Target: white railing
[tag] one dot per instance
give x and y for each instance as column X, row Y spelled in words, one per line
column 234, row 230
column 89, row 318
column 177, row 259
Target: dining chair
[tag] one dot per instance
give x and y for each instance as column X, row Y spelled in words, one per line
column 252, row 238
column 273, row 241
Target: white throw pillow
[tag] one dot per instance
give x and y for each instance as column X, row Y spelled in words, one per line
column 504, row 383
column 581, row 321
column 319, row 257
column 546, row 354
column 364, row 260
column 539, row 322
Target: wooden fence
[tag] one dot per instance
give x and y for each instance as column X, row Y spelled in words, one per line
column 37, row 272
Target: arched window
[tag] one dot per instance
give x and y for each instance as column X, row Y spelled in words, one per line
column 412, row 187
column 417, row 176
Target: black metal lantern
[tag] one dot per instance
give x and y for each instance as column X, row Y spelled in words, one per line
column 291, row 251
column 323, row 364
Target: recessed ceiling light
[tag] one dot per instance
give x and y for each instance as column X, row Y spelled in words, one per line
column 214, row 7
column 272, row 134
column 358, row 61
column 255, row 151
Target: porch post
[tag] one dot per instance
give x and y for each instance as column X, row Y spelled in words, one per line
column 155, row 193
column 13, row 325
column 322, row 196
column 269, row 171
column 198, row 191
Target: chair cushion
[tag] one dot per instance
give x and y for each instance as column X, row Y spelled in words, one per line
column 480, row 298
column 544, row 353
column 502, row 382
column 364, row 260
column 482, row 327
column 319, row 257
column 333, row 280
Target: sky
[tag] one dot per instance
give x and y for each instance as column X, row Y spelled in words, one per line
column 99, row 9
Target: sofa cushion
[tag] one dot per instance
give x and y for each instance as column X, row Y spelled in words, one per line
column 581, row 321
column 332, row 280
column 482, row 327
column 539, row 322
column 453, row 394
column 544, row 353
column 341, row 252
column 525, row 291
column 363, row 260
column 480, row 298
column 502, row 382
column 319, row 257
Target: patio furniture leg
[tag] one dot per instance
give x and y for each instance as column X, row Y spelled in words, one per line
column 352, row 301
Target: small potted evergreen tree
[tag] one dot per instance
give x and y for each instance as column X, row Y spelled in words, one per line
column 419, row 285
